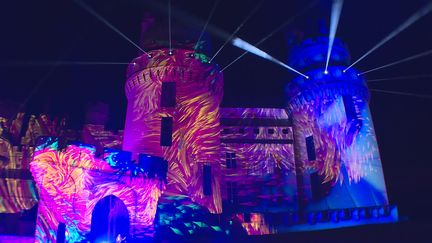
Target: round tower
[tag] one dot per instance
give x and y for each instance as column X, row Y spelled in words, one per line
column 173, row 112
column 337, row 158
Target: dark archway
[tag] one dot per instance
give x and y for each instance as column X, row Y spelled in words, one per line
column 110, row 218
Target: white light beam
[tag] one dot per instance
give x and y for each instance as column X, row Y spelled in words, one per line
column 254, row 10
column 207, row 22
column 57, row 63
column 103, row 20
column 425, row 53
column 400, row 78
column 280, row 27
column 169, row 25
column 252, row 49
column 416, row 16
column 424, row 96
column 334, row 21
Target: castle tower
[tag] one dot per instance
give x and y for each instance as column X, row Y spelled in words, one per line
column 173, row 112
column 336, row 152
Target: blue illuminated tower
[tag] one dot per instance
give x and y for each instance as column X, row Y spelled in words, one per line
column 338, row 163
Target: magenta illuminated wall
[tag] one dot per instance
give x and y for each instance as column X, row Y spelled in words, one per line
column 258, row 159
column 192, row 139
column 72, row 181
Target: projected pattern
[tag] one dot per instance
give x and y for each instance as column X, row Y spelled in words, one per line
column 195, row 130
column 259, row 168
column 16, row 194
column 17, row 139
column 333, row 131
column 72, row 181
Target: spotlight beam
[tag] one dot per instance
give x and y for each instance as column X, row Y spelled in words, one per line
column 254, row 10
column 169, row 24
column 411, row 20
column 188, row 19
column 400, row 78
column 277, row 29
column 425, row 53
column 57, row 63
column 215, row 4
column 424, row 96
column 334, row 21
column 108, row 24
column 250, row 48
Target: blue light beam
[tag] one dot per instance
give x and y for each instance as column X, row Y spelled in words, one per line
column 416, row 16
column 334, row 21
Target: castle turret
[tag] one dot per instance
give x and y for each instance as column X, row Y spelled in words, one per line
column 337, row 157
column 173, row 112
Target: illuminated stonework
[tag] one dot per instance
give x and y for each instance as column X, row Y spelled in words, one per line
column 192, row 138
column 335, row 144
column 72, row 181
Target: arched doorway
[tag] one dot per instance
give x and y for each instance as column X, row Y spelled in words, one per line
column 110, row 220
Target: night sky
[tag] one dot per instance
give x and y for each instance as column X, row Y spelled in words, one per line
column 50, row 31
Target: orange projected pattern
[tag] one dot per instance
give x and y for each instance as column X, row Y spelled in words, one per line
column 71, row 182
column 337, row 140
column 17, row 137
column 195, row 137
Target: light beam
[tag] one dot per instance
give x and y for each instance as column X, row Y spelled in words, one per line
column 400, row 78
column 250, row 48
column 57, row 63
column 169, row 25
column 108, row 24
column 334, row 21
column 277, row 29
column 422, row 54
column 416, row 16
column 207, row 22
column 254, row 10
column 424, row 96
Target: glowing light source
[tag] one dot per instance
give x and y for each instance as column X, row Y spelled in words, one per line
column 334, row 21
column 411, row 20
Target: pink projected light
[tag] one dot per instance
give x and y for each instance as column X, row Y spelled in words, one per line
column 195, row 115
column 73, row 181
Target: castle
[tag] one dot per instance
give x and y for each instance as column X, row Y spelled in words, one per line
column 313, row 164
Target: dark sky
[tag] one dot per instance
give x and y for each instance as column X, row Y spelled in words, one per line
column 34, row 31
